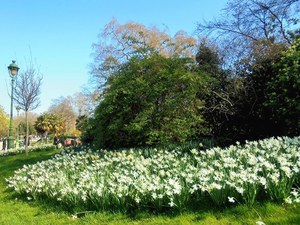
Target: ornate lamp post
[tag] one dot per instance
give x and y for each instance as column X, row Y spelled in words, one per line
column 18, row 127
column 13, row 71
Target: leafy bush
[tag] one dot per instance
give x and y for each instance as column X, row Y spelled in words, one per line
column 149, row 101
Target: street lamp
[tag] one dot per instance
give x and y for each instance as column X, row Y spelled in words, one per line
column 18, row 127
column 13, row 71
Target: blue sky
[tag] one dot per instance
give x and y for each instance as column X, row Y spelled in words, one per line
column 58, row 34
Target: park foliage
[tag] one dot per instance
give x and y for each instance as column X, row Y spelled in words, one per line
column 240, row 82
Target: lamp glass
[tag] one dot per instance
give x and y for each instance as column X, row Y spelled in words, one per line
column 13, row 72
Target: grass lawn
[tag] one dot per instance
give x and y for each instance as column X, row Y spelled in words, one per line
column 15, row 211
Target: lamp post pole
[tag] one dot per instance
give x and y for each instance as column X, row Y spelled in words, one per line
column 18, row 127
column 13, row 71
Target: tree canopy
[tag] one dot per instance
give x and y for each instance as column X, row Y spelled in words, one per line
column 283, row 90
column 244, row 24
column 151, row 100
column 63, row 108
column 49, row 123
column 118, row 43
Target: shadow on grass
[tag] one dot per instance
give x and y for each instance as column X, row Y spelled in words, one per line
column 8, row 164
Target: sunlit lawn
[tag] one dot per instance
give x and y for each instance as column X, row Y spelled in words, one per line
column 14, row 210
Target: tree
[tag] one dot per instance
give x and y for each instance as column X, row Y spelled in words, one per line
column 27, row 91
column 253, row 34
column 47, row 123
column 118, row 43
column 209, row 59
column 86, row 124
column 4, row 123
column 246, row 22
column 20, row 123
column 151, row 100
column 283, row 92
column 220, row 95
column 85, row 102
column 64, row 108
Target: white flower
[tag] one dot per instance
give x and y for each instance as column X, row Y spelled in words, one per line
column 74, row 217
column 288, row 200
column 287, row 171
column 294, row 192
column 217, row 186
column 260, row 223
column 263, row 181
column 231, row 199
column 194, row 151
column 240, row 190
column 172, row 204
column 162, row 173
column 137, row 200
column 154, row 195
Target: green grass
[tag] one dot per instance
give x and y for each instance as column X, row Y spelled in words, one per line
column 15, row 210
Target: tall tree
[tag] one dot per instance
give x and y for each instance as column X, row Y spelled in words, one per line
column 253, row 34
column 151, row 100
column 118, row 43
column 86, row 125
column 223, row 91
column 64, row 108
column 246, row 22
column 27, row 91
column 85, row 102
column 283, row 92
column 4, row 122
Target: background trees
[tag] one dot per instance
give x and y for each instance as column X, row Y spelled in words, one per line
column 240, row 84
column 20, row 123
column 254, row 34
column 63, row 108
column 84, row 103
column 49, row 123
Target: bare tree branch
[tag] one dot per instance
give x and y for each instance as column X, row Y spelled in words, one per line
column 245, row 22
column 27, row 91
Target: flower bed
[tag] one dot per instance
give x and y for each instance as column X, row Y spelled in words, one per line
column 259, row 170
column 14, row 151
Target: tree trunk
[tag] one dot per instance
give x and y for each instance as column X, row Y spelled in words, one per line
column 46, row 137
column 27, row 132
